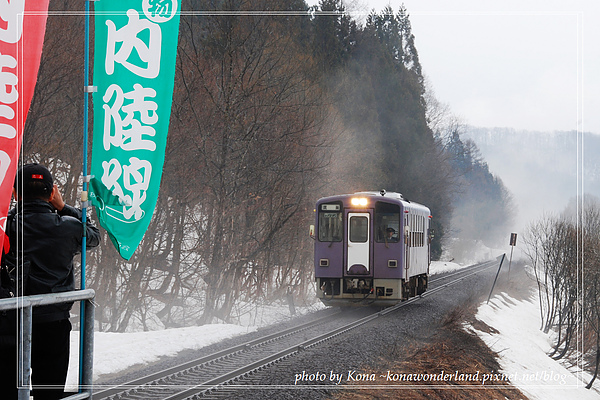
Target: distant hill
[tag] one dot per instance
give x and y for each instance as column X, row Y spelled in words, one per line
column 543, row 170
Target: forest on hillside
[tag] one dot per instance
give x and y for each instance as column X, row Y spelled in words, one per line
column 545, row 169
column 270, row 112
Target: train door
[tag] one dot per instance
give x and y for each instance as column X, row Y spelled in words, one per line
column 358, row 256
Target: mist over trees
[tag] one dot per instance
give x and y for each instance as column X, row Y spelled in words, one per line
column 484, row 207
column 270, row 112
column 378, row 91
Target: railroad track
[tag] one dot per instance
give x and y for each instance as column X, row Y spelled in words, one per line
column 458, row 275
column 206, row 376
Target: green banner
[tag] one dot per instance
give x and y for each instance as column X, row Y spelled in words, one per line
column 134, row 69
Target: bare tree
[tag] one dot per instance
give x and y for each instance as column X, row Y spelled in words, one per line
column 549, row 245
column 590, row 245
column 253, row 127
column 564, row 252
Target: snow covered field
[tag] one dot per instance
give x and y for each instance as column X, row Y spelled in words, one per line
column 522, row 346
column 523, row 350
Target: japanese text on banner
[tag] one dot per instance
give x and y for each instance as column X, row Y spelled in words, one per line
column 134, row 72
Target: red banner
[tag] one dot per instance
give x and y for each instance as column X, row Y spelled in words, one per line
column 22, row 27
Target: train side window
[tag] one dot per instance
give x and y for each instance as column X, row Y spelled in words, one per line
column 387, row 222
column 418, row 235
column 412, row 230
column 331, row 227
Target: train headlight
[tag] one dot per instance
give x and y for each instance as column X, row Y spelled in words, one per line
column 359, row 201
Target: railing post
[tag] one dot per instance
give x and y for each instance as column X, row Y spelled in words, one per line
column 24, row 373
column 25, row 305
column 87, row 368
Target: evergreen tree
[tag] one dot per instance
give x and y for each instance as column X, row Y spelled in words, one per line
column 334, row 35
column 387, row 142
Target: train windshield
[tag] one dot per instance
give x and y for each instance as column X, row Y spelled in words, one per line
column 387, row 222
column 331, row 228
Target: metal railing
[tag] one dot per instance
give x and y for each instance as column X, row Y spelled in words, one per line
column 26, row 304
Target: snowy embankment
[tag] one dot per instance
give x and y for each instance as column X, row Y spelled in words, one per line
column 523, row 351
column 521, row 345
column 116, row 352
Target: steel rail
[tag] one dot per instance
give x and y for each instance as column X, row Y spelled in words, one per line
column 198, row 390
column 149, row 380
column 462, row 270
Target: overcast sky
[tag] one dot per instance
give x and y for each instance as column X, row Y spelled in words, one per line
column 524, row 64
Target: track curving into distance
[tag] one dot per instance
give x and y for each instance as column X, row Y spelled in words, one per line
column 210, row 376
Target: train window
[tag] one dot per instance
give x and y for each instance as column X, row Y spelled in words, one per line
column 418, row 231
column 359, row 229
column 413, row 230
column 416, row 224
column 387, row 222
column 331, row 228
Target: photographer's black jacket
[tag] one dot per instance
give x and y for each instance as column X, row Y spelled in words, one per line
column 43, row 243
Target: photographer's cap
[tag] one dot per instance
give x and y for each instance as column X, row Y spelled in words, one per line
column 34, row 172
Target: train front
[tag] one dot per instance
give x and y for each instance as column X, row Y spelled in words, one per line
column 362, row 250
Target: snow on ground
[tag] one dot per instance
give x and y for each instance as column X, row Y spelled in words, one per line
column 440, row 267
column 522, row 346
column 116, row 352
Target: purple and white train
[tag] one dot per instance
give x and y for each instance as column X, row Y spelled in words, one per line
column 371, row 248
